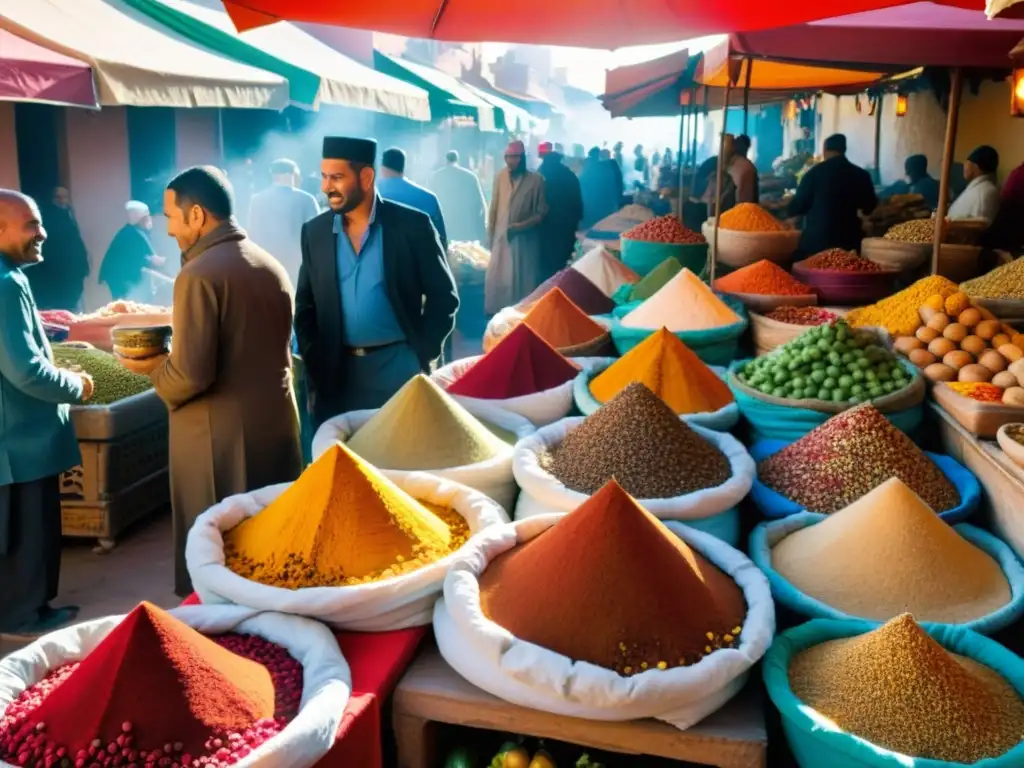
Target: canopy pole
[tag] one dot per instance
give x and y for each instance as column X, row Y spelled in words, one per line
column 693, row 136
column 719, row 178
column 746, row 96
column 682, row 143
column 952, row 119
column 878, row 138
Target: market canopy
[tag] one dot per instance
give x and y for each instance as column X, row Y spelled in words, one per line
column 316, row 73
column 136, row 61
column 448, row 96
column 515, row 118
column 30, row 72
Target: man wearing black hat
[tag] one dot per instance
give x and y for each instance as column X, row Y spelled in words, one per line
column 375, row 300
column 981, row 198
column 829, row 198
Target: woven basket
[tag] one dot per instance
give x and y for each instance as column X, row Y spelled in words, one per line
column 757, row 302
column 738, row 249
column 770, row 334
column 894, row 254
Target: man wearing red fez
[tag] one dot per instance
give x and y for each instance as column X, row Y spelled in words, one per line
column 375, row 300
column 518, row 209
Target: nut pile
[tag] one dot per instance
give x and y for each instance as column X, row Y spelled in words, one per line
column 639, row 441
column 111, row 380
column 839, row 260
column 802, row 315
column 914, row 231
column 898, row 688
column 664, row 229
column 849, row 455
column 1005, row 282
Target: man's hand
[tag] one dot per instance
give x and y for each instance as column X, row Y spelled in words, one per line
column 88, row 387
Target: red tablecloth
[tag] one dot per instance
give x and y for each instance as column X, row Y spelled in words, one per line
column 377, row 660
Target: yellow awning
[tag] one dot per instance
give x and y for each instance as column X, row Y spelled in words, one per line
column 777, row 76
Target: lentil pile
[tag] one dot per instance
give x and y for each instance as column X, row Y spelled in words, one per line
column 668, row 368
column 684, row 303
column 838, row 260
column 750, row 217
column 341, row 523
column 802, row 315
column 640, row 442
column 605, row 271
column 898, row 688
column 655, row 280
column 850, row 455
column 420, row 428
column 763, row 277
column 898, row 314
column 889, row 553
column 560, row 322
column 613, row 587
column 112, row 382
column 522, row 363
column 664, row 229
column 913, row 231
column 574, row 284
column 827, row 362
column 155, row 692
column 1005, row 282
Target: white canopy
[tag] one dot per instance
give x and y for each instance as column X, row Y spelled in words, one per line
column 138, row 62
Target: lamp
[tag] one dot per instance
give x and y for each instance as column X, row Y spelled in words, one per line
column 902, row 105
column 1017, row 90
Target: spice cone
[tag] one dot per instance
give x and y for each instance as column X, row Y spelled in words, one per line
column 605, row 271
column 520, row 364
column 668, row 368
column 655, row 280
column 560, row 322
column 898, row 688
column 684, row 303
column 889, row 553
column 340, row 523
column 165, row 679
column 610, row 585
column 574, row 284
column 421, row 427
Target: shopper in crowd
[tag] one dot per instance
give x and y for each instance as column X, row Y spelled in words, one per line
column 613, row 168
column 916, row 182
column 37, row 441
column 599, row 187
column 518, row 208
column 130, row 254
column 641, row 166
column 1006, row 233
column 392, row 185
column 980, row 200
column 59, row 281
column 376, row 299
column 565, row 210
column 829, row 198
column 227, row 381
column 461, row 195
column 277, row 213
column 743, row 173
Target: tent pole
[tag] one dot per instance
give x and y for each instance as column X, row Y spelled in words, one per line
column 952, row 119
column 878, row 138
column 746, row 95
column 693, row 136
column 719, row 178
column 684, row 114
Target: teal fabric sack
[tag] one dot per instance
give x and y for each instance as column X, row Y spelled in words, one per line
column 817, row 744
column 642, row 256
column 766, row 535
column 724, row 526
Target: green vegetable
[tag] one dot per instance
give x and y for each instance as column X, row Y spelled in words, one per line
column 112, row 382
column 461, row 757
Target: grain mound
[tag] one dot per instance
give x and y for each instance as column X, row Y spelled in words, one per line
column 684, row 303
column 560, row 322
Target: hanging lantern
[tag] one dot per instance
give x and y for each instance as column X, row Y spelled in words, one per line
column 791, row 110
column 902, row 105
column 1017, row 90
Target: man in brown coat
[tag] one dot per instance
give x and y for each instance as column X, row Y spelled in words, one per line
column 227, row 382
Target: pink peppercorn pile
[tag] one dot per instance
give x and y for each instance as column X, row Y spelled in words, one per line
column 850, row 455
column 838, row 260
column 802, row 315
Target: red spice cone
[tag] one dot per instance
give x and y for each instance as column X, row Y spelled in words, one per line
column 169, row 682
column 560, row 322
column 610, row 585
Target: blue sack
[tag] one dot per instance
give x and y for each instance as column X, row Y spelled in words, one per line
column 818, row 744
column 766, row 535
column 773, row 504
column 642, row 256
column 724, row 526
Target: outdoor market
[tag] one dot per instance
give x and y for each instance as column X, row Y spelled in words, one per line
column 725, row 468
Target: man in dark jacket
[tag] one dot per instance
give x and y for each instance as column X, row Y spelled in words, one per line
column 130, row 253
column 58, row 281
column 375, row 300
column 565, row 209
column 829, row 198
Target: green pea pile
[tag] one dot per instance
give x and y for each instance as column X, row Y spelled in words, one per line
column 828, row 362
column 112, row 382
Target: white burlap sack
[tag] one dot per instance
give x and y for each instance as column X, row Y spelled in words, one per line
column 326, row 679
column 543, row 494
column 492, row 477
column 523, row 673
column 404, row 601
column 540, row 408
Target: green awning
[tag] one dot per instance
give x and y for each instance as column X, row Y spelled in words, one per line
column 448, row 96
column 516, row 119
column 316, row 73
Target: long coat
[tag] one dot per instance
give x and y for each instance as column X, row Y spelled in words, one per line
column 462, row 200
column 565, row 210
column 509, row 280
column 829, row 197
column 233, row 420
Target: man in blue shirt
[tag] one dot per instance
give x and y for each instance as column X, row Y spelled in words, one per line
column 392, row 185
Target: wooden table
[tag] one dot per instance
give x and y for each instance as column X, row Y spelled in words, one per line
column 432, row 692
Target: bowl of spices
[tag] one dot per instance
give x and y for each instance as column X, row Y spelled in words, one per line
column 646, row 245
column 1011, row 439
column 748, row 233
column 764, row 286
column 845, row 278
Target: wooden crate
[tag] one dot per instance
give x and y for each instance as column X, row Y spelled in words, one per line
column 111, row 466
column 105, row 519
column 431, row 692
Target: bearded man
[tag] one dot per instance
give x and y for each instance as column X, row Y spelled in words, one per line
column 375, row 300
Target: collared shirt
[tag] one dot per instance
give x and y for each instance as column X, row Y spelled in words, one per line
column 979, row 201
column 367, row 315
column 399, row 189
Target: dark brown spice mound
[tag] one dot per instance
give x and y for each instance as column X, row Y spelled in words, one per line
column 639, row 441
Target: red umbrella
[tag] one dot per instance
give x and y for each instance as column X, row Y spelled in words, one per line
column 1005, row 9
column 30, row 72
column 588, row 23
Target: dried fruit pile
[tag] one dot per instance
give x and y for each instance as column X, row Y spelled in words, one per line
column 838, row 260
column 750, row 217
column 802, row 315
column 850, row 455
column 639, row 441
column 898, row 688
column 828, row 362
column 155, row 692
column 664, row 229
column 111, row 380
column 763, row 277
column 612, row 586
